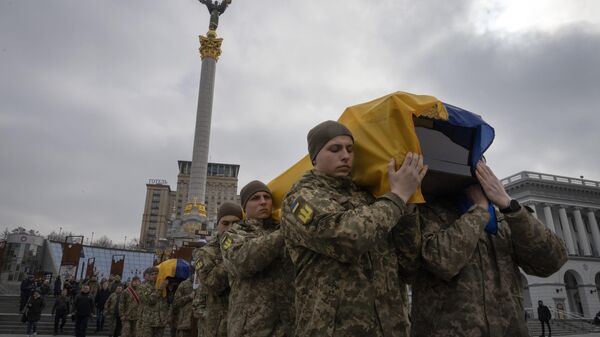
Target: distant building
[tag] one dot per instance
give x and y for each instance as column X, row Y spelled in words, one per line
column 23, row 254
column 570, row 208
column 164, row 208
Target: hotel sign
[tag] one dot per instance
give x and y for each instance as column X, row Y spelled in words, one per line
column 157, row 182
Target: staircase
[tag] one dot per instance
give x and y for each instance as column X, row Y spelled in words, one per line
column 563, row 327
column 10, row 319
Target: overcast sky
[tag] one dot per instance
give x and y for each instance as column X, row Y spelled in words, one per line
column 98, row 96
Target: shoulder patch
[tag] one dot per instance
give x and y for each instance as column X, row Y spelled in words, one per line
column 227, row 242
column 302, row 210
column 199, row 265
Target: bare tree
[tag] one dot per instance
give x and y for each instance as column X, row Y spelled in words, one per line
column 104, row 241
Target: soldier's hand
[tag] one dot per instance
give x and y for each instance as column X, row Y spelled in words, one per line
column 164, row 284
column 404, row 181
column 476, row 195
column 492, row 186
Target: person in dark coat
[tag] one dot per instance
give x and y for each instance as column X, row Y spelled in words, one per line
column 544, row 316
column 83, row 309
column 60, row 309
column 57, row 286
column 34, row 308
column 101, row 297
column 45, row 288
column 27, row 286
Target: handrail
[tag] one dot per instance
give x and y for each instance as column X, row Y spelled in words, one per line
column 556, row 313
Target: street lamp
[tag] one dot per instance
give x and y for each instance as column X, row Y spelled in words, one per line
column 92, row 239
column 125, row 242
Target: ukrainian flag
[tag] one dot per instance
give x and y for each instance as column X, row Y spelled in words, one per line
column 384, row 128
column 174, row 268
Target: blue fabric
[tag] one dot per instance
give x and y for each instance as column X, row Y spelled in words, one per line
column 464, row 204
column 467, row 130
column 182, row 270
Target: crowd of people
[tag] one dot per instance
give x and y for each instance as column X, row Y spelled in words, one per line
column 339, row 260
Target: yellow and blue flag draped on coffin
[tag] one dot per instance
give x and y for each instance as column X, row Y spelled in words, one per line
column 382, row 129
column 174, row 268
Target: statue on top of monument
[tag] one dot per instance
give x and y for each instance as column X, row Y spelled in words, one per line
column 215, row 8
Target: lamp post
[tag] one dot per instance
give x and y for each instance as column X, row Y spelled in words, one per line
column 125, row 242
column 92, row 239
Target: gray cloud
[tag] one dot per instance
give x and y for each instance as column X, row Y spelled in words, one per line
column 97, row 97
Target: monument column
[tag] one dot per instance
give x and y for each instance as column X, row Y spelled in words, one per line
column 595, row 231
column 582, row 232
column 532, row 206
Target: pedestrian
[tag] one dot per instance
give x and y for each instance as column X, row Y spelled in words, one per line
column 34, row 308
column 474, row 243
column 111, row 312
column 129, row 307
column 153, row 306
column 340, row 239
column 94, row 286
column 60, row 310
column 83, row 309
column 212, row 274
column 57, row 286
column 544, row 316
column 45, row 288
column 260, row 272
column 27, row 287
column 100, row 300
column 182, row 308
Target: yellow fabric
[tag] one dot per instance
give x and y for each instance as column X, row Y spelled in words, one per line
column 165, row 269
column 382, row 129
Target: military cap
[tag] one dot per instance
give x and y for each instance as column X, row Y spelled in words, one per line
column 252, row 188
column 229, row 208
column 322, row 133
column 150, row 270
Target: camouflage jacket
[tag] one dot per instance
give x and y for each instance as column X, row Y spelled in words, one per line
column 111, row 305
column 213, row 276
column 261, row 277
column 469, row 283
column 153, row 307
column 199, row 309
column 128, row 306
column 347, row 268
column 182, row 304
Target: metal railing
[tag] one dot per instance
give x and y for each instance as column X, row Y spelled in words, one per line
column 550, row 178
column 565, row 318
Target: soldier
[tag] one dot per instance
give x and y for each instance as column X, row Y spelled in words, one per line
column 111, row 312
column 182, row 306
column 129, row 308
column 212, row 273
column 261, row 300
column 94, row 286
column 199, row 309
column 153, row 306
column 469, row 283
column 340, row 239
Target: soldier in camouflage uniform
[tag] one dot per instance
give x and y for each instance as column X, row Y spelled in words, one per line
column 199, row 309
column 469, row 283
column 129, row 308
column 111, row 309
column 182, row 306
column 261, row 300
column 153, row 306
column 212, row 274
column 342, row 242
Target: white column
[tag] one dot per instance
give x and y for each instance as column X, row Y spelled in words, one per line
column 549, row 219
column 532, row 205
column 582, row 232
column 564, row 221
column 595, row 231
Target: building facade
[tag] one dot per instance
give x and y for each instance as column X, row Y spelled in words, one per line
column 570, row 207
column 164, row 209
column 158, row 208
column 23, row 254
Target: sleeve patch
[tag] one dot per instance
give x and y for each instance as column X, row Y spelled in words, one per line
column 199, row 265
column 227, row 242
column 302, row 210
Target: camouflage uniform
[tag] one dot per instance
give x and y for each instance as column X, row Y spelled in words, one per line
column 129, row 312
column 109, row 311
column 182, row 306
column 261, row 274
column 199, row 309
column 347, row 268
column 153, row 311
column 469, row 283
column 213, row 276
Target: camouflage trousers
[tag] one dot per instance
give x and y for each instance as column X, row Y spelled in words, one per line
column 129, row 329
column 184, row 333
column 148, row 331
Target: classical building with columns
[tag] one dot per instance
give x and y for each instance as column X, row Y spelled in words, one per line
column 570, row 207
